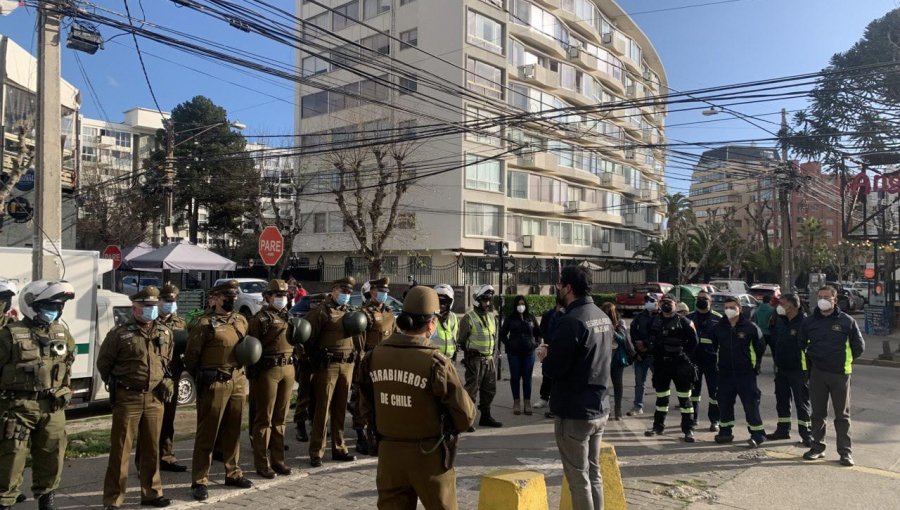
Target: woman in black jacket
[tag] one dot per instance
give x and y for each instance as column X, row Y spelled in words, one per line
column 622, row 356
column 520, row 335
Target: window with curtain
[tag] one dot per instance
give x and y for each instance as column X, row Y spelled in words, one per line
column 484, row 32
column 483, row 220
column 517, row 186
column 484, row 78
column 483, row 175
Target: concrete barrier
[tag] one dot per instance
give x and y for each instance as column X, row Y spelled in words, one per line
column 613, row 490
column 513, row 490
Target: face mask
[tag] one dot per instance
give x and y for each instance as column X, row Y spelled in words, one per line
column 228, row 304
column 780, row 310
column 650, row 306
column 667, row 307
column 279, row 302
column 168, row 308
column 702, row 304
column 731, row 313
column 342, row 299
column 47, row 316
column 150, row 313
column 825, row 305
column 520, row 308
column 381, row 297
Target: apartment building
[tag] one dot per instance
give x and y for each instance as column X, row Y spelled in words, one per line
column 553, row 97
column 113, row 152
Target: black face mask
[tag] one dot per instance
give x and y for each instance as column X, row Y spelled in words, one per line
column 228, row 304
column 666, row 307
column 702, row 304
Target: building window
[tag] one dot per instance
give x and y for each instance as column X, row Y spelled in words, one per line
column 404, row 2
column 479, row 118
column 484, row 32
column 409, row 38
column 483, row 220
column 372, row 8
column 336, row 222
column 408, row 85
column 379, row 43
column 484, row 78
column 319, row 226
column 483, row 174
column 314, row 104
column 407, row 128
column 532, row 227
column 345, row 15
column 517, row 186
column 314, row 65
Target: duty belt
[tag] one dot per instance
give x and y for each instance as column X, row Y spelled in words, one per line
column 340, row 357
column 224, row 374
column 27, row 395
column 409, row 439
column 276, row 360
column 120, row 386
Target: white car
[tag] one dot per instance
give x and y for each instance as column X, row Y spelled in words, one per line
column 863, row 289
column 249, row 299
column 131, row 284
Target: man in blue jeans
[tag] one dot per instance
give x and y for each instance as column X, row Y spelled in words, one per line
column 579, row 363
column 643, row 359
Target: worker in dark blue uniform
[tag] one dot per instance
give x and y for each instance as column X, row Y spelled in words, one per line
column 672, row 341
column 791, row 375
column 740, row 346
column 704, row 358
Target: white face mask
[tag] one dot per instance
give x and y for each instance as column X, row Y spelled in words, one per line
column 280, row 302
column 731, row 313
column 825, row 305
column 520, row 308
column 780, row 310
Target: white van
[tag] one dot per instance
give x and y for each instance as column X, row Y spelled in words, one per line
column 732, row 286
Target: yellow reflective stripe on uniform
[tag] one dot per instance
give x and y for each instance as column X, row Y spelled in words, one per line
column 706, row 341
column 661, row 409
column 807, row 424
column 803, row 360
column 752, row 355
column 848, row 358
column 483, row 334
column 663, row 394
column 756, row 428
column 726, row 424
column 683, row 394
column 784, row 420
column 695, row 398
column 687, row 410
column 713, row 402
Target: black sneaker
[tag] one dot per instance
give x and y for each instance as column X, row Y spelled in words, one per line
column 778, row 435
column 689, row 437
column 199, row 492
column 315, row 462
column 813, row 455
column 343, row 457
column 723, row 439
column 159, row 502
column 653, row 432
column 47, row 501
column 846, row 460
column 241, row 483
column 806, row 441
column 471, row 429
column 488, row 421
column 21, row 498
column 173, row 467
column 713, row 427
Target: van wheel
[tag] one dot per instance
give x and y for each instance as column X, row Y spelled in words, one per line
column 187, row 389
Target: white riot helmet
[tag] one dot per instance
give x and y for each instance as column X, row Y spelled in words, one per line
column 8, row 287
column 484, row 289
column 366, row 287
column 44, row 291
column 446, row 291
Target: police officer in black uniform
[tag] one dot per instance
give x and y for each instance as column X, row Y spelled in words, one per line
column 704, row 358
column 672, row 341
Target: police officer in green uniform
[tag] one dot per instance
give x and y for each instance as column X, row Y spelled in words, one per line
column 134, row 362
column 8, row 291
column 271, row 381
column 381, row 326
column 332, row 353
column 447, row 323
column 36, row 356
column 221, row 386
column 415, row 401
column 478, row 341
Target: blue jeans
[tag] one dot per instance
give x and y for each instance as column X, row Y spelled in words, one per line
column 521, row 367
column 641, row 369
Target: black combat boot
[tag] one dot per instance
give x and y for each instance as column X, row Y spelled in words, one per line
column 362, row 443
column 47, row 501
column 487, row 420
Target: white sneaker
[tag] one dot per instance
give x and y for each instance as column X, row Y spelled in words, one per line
column 540, row 404
column 635, row 411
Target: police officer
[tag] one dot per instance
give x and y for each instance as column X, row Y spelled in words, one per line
column 705, row 319
column 791, row 376
column 672, row 341
column 643, row 358
column 333, row 353
column 272, row 381
column 740, row 347
column 221, row 385
column 381, row 326
column 478, row 341
column 447, row 322
column 8, row 291
column 413, row 397
column 134, row 362
column 36, row 356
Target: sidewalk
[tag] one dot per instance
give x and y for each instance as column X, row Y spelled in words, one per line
column 660, row 472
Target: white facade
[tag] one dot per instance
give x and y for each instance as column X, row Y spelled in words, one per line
column 567, row 186
column 114, row 151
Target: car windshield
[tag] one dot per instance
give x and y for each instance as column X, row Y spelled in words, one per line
column 252, row 287
column 646, row 289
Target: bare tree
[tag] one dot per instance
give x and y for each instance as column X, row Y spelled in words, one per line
column 109, row 215
column 369, row 198
column 289, row 226
column 20, row 164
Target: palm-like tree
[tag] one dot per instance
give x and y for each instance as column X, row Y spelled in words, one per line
column 677, row 206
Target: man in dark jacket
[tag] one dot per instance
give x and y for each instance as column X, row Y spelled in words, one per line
column 643, row 359
column 790, row 369
column 579, row 363
column 548, row 328
column 832, row 341
column 740, row 346
column 704, row 358
column 672, row 341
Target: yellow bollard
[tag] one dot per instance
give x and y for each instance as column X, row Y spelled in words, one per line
column 513, row 490
column 613, row 490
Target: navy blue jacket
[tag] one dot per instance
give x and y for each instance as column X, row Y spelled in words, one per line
column 740, row 347
column 832, row 342
column 578, row 361
column 640, row 331
column 704, row 323
column 786, row 348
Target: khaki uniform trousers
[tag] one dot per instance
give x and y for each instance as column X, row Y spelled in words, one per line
column 406, row 474
column 304, row 375
column 134, row 413
column 332, row 390
column 481, row 380
column 221, row 404
column 270, row 392
column 47, row 446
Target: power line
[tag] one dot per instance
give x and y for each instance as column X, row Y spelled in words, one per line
column 141, row 60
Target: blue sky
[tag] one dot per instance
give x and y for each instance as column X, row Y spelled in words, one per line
column 704, row 46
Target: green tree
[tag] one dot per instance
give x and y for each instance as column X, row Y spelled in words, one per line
column 813, row 253
column 677, row 206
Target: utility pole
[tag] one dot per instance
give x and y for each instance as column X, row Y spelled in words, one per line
column 169, row 171
column 784, row 191
column 47, row 241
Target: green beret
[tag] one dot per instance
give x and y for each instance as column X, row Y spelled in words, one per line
column 226, row 287
column 346, row 281
column 421, row 300
column 148, row 295
column 277, row 285
column 168, row 291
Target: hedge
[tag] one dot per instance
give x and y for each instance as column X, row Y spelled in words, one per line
column 539, row 304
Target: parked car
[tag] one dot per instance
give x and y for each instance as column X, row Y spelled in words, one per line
column 733, row 286
column 356, row 300
column 845, row 301
column 863, row 289
column 249, row 299
column 857, row 301
column 749, row 304
column 707, row 287
column 628, row 302
column 765, row 291
column 130, row 284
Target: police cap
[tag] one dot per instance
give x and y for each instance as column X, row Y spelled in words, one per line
column 147, row 296
column 226, row 287
column 168, row 291
column 421, row 301
column 276, row 285
column 347, row 281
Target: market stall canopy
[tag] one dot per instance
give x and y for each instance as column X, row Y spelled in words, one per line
column 180, row 257
column 129, row 254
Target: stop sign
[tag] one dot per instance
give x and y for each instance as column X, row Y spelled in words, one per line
column 271, row 246
column 114, row 253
